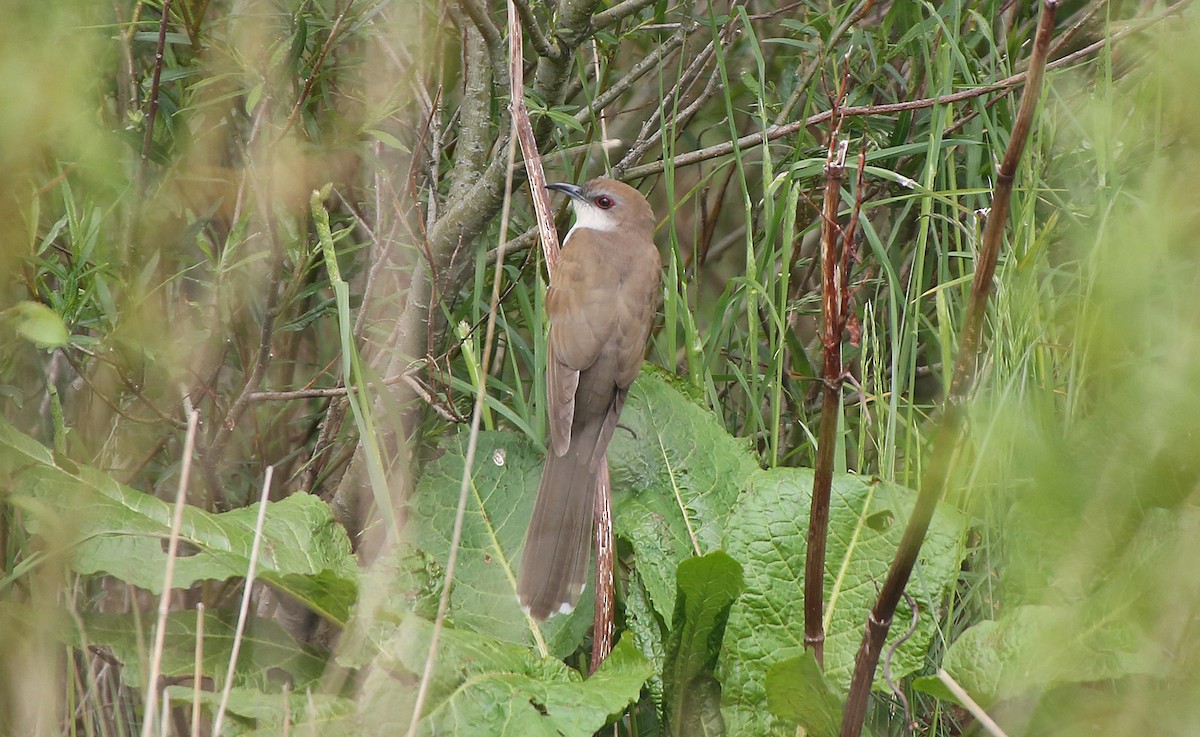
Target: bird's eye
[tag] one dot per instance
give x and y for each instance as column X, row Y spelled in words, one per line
column 604, row 202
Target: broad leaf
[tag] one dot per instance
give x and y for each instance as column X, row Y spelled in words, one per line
column 767, row 531
column 254, row 713
column 708, row 587
column 1032, row 648
column 503, row 487
column 114, row 529
column 676, row 474
column 484, row 687
column 268, row 654
column 798, row 693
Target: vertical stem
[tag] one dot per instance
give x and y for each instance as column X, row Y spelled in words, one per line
column 949, row 433
column 831, row 375
column 602, row 638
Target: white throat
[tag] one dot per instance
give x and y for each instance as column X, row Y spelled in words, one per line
column 590, row 217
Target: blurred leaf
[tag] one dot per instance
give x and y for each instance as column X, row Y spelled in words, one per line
column 481, row 686
column 767, row 529
column 116, row 530
column 798, row 693
column 268, row 654
column 253, row 712
column 707, row 589
column 39, row 324
column 668, row 457
column 1033, row 648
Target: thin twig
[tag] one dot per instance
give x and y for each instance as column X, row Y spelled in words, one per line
column 537, row 36
column 164, row 598
column 776, row 132
column 913, row 621
column 831, row 339
column 244, row 609
column 603, row 625
column 152, row 112
column 618, row 12
column 316, row 68
column 937, row 471
column 970, row 704
column 197, row 669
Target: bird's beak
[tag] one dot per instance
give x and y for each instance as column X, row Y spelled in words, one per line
column 573, row 191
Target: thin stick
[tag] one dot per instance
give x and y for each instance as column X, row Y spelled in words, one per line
column 937, row 472
column 244, row 610
column 776, row 132
column 152, row 112
column 831, row 339
column 197, row 669
column 602, row 621
column 164, row 599
column 476, row 417
column 970, row 704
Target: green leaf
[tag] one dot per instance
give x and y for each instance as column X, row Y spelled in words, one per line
column 798, row 693
column 267, row 650
column 1032, row 648
column 40, row 325
column 481, row 686
column 676, row 474
column 254, row 712
column 111, row 528
column 503, row 487
column 708, row 587
column 767, row 529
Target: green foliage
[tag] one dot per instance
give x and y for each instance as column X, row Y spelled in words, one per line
column 483, row 686
column 109, row 528
column 708, row 587
column 798, row 693
column 866, row 519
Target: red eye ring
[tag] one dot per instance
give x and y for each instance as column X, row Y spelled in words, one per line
column 604, row 202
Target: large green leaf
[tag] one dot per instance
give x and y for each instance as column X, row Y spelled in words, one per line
column 1032, row 648
column 798, row 693
column 1108, row 628
column 503, row 487
column 268, row 654
column 766, row 531
column 117, row 530
column 708, row 587
column 484, row 687
column 676, row 474
column 254, row 713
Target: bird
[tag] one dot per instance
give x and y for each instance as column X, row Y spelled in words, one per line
column 601, row 304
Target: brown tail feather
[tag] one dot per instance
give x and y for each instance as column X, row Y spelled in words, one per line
column 558, row 546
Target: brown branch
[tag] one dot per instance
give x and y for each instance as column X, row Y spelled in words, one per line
column 316, row 68
column 152, row 112
column 937, row 473
column 653, row 60
column 537, row 36
column 619, row 12
column 603, row 618
column 831, row 339
column 776, row 132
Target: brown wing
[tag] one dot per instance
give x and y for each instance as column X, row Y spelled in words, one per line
column 634, row 312
column 581, row 319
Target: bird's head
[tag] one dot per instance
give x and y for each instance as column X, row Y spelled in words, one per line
column 608, row 205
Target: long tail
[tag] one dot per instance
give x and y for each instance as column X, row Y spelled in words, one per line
column 558, row 546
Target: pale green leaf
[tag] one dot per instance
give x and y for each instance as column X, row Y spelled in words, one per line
column 111, row 528
column 484, row 687
column 767, row 530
